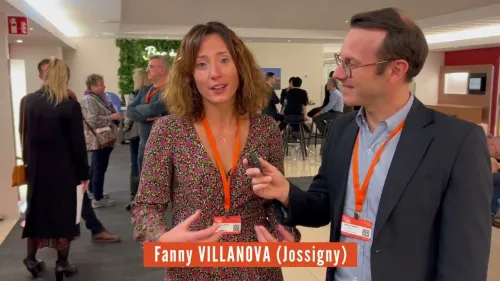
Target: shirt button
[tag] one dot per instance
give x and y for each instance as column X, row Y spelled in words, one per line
column 369, row 151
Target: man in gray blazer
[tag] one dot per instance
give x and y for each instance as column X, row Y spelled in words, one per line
column 410, row 186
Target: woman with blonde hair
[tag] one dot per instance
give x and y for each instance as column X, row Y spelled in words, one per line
column 193, row 159
column 131, row 129
column 56, row 156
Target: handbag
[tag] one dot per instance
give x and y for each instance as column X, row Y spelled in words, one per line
column 104, row 137
column 19, row 171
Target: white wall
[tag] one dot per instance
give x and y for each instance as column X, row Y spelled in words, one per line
column 32, row 55
column 93, row 55
column 101, row 56
column 427, row 82
column 294, row 59
column 8, row 195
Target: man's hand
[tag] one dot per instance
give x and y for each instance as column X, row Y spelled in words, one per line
column 264, row 236
column 181, row 232
column 268, row 183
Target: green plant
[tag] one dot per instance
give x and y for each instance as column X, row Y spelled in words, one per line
column 133, row 54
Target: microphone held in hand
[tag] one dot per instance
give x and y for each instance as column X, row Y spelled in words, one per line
column 254, row 161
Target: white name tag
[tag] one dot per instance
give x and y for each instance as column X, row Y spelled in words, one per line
column 100, row 130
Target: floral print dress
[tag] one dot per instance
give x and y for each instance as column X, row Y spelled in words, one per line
column 178, row 171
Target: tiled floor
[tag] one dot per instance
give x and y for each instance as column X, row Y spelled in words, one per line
column 296, row 167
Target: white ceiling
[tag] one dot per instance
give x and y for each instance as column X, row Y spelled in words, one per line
column 279, row 14
column 297, row 21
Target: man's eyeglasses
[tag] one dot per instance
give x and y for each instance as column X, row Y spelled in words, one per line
column 153, row 66
column 348, row 68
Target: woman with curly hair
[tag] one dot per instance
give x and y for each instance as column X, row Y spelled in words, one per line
column 193, row 159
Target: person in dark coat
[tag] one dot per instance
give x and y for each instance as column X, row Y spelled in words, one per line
column 56, row 156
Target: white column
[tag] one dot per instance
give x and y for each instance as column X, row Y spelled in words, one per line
column 8, row 195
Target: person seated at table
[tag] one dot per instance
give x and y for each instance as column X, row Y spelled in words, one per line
column 296, row 104
column 333, row 109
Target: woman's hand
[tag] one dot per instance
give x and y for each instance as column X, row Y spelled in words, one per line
column 85, row 185
column 116, row 116
column 181, row 232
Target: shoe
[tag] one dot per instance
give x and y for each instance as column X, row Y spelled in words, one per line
column 106, row 237
column 34, row 266
column 91, row 195
column 64, row 268
column 103, row 203
column 128, row 207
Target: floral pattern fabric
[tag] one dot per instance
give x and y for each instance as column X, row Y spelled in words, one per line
column 178, row 171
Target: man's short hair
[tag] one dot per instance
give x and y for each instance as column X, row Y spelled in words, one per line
column 163, row 59
column 41, row 64
column 270, row 75
column 334, row 82
column 92, row 80
column 296, row 82
column 404, row 40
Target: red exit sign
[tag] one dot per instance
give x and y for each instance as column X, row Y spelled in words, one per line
column 17, row 25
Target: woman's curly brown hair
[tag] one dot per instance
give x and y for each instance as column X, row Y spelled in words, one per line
column 182, row 96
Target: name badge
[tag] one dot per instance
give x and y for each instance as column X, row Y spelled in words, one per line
column 229, row 225
column 104, row 129
column 356, row 228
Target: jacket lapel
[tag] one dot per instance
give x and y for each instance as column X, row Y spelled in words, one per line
column 340, row 168
column 410, row 150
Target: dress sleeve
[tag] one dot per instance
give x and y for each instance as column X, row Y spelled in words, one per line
column 276, row 157
column 154, row 194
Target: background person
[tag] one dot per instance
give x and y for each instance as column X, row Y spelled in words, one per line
column 54, row 150
column 148, row 105
column 132, row 133
column 333, row 109
column 98, row 232
column 100, row 118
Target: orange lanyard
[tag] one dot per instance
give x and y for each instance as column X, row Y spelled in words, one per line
column 360, row 192
column 151, row 94
column 218, row 160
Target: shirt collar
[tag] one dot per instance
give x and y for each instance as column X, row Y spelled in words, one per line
column 393, row 121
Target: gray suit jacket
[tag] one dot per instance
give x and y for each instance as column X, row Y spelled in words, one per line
column 434, row 220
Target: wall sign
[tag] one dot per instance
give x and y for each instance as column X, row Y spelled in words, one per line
column 151, row 51
column 18, row 25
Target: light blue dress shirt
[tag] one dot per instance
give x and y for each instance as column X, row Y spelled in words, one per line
column 368, row 145
column 335, row 102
